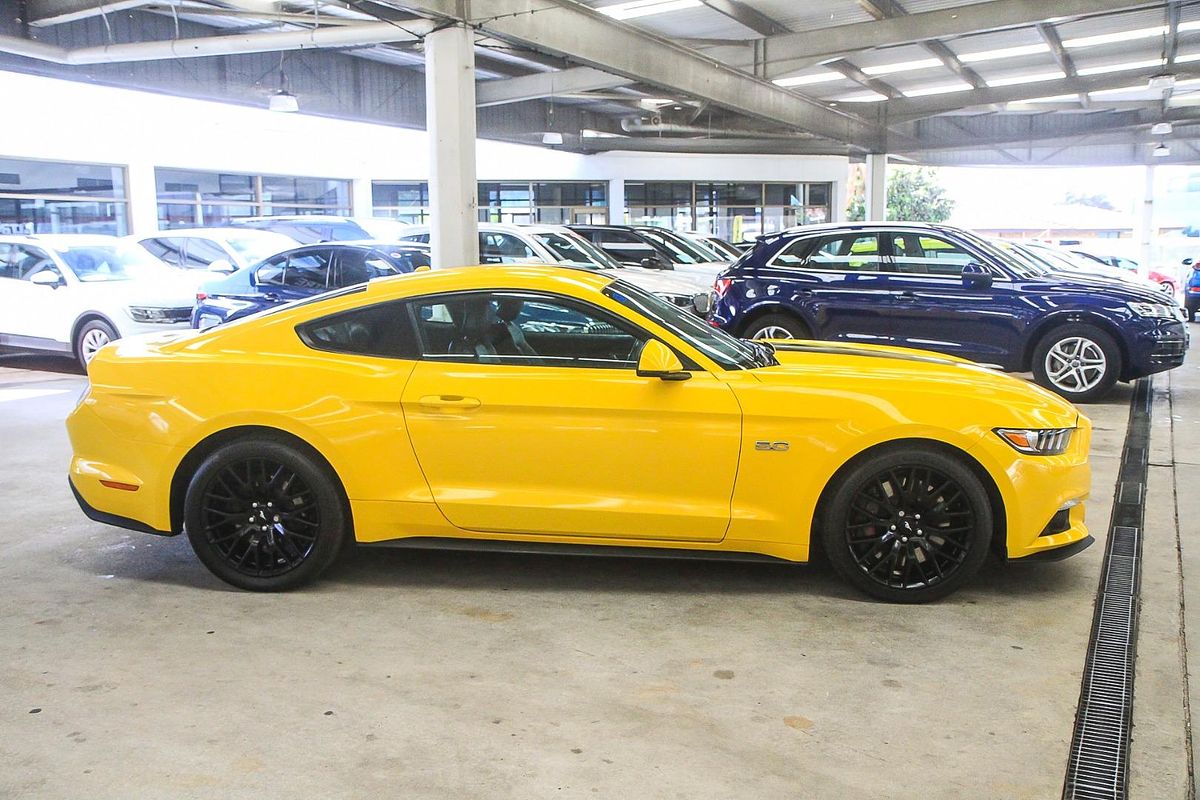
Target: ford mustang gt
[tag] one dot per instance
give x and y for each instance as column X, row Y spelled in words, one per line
column 542, row 408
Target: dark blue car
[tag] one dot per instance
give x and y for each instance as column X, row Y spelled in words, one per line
column 943, row 289
column 302, row 272
column 1191, row 288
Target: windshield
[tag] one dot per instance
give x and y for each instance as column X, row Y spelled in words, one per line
column 1054, row 260
column 676, row 251
column 726, row 350
column 253, row 249
column 1016, row 254
column 109, row 262
column 567, row 250
column 1022, row 268
column 701, row 245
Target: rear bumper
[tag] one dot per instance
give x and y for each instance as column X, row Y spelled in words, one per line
column 97, row 515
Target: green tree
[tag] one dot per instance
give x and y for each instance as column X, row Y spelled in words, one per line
column 914, row 195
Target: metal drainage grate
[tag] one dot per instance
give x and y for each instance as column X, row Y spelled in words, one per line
column 1098, row 766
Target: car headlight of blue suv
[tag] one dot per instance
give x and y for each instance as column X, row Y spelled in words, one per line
column 1156, row 310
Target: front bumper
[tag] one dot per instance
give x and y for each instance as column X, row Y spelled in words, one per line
column 1157, row 347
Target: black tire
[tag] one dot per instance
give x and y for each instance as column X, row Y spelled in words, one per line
column 1167, row 288
column 1091, row 341
column 92, row 335
column 879, row 543
column 775, row 326
column 235, row 519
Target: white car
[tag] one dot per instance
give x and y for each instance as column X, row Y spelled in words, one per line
column 73, row 293
column 500, row 243
column 1065, row 261
column 218, row 250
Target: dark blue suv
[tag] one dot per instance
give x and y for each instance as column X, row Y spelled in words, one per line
column 938, row 288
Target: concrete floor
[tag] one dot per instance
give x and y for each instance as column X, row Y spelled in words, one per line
column 129, row 671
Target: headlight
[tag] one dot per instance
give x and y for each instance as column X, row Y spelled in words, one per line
column 1037, row 441
column 157, row 314
column 1155, row 310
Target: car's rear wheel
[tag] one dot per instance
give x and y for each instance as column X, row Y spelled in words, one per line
column 777, row 326
column 93, row 335
column 1167, row 288
column 262, row 515
column 907, row 526
column 1079, row 362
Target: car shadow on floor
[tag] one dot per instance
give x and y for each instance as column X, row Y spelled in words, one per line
column 38, row 362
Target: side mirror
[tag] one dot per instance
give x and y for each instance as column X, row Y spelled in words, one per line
column 976, row 276
column 658, row 361
column 47, row 278
column 221, row 265
column 702, row 303
column 1187, row 262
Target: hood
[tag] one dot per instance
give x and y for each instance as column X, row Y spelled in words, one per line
column 890, row 372
column 1125, row 291
column 170, row 291
column 661, row 281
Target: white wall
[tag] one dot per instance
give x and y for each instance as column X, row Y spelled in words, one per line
column 72, row 121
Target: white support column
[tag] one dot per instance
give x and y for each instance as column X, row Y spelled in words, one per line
column 1145, row 230
column 143, row 198
column 877, row 187
column 616, row 201
column 362, row 203
column 450, row 122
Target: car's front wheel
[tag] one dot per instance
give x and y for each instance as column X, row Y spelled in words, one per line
column 907, row 525
column 93, row 335
column 1079, row 362
column 1167, row 288
column 777, row 326
column 262, row 515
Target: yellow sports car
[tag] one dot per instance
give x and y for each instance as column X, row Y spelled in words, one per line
column 538, row 408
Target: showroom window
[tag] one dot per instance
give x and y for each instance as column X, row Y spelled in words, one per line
column 59, row 197
column 548, row 203
column 406, row 202
column 190, row 198
column 736, row 212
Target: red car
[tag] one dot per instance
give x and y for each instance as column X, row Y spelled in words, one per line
column 1168, row 283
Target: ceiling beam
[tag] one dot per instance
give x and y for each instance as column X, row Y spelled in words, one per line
column 746, row 16
column 1061, row 57
column 545, row 84
column 793, row 51
column 855, row 74
column 886, row 9
column 1041, row 129
column 910, row 108
column 56, row 12
column 595, row 40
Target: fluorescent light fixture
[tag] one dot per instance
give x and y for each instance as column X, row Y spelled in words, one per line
column 284, row 102
column 654, row 102
column 1163, row 81
column 1003, row 52
column 1016, row 80
column 1162, row 151
column 1161, row 129
column 552, row 137
column 863, row 97
column 1126, row 65
column 1058, row 98
column 645, row 8
column 903, row 66
column 808, row 80
column 945, row 89
column 1119, row 36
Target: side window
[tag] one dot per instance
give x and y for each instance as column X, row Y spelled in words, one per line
column 166, row 249
column 847, row 252
column 271, row 271
column 202, row 252
column 8, row 269
column 416, row 237
column 383, row 330
column 503, row 248
column 28, row 261
column 409, row 260
column 922, row 254
column 524, row 329
column 792, row 254
column 359, row 265
column 308, row 270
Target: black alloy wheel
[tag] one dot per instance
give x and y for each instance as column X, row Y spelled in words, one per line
column 908, row 527
column 264, row 516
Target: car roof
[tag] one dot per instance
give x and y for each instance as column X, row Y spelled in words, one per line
column 216, row 233
column 59, row 240
column 378, row 243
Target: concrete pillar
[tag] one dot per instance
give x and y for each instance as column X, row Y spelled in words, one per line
column 877, row 187
column 143, row 198
column 450, row 122
column 616, row 201
column 362, row 203
column 1145, row 230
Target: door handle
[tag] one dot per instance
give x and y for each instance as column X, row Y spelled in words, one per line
column 906, row 296
column 448, row 401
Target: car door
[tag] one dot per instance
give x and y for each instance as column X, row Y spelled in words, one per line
column 29, row 309
column 934, row 310
column 838, row 283
column 528, row 417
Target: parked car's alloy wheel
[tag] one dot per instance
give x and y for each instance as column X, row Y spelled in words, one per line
column 264, row 516
column 908, row 526
column 91, row 337
column 1079, row 362
column 1167, row 288
column 777, row 326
